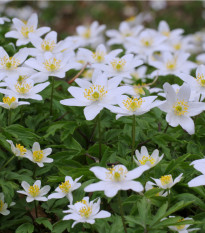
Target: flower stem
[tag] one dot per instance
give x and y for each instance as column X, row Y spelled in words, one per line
column 52, row 89
column 121, row 211
column 133, row 135
column 9, row 161
column 35, row 208
column 99, row 137
column 9, row 117
column 165, row 130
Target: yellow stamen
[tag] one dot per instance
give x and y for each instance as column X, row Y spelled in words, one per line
column 171, row 65
column 166, row 33
column 132, row 104
column 180, row 107
column 146, row 42
column 1, row 205
column 9, row 63
column 166, row 179
column 145, row 159
column 38, row 155
column 22, row 87
column 116, row 173
column 25, row 30
column 22, row 78
column 88, row 74
column 118, row 64
column 99, row 56
column 21, row 148
column 178, row 46
column 85, row 211
column 95, row 92
column 65, row 187
column 130, row 19
column 139, row 89
column 34, row 190
column 87, row 33
column 47, row 45
column 8, row 100
column 52, row 64
column 200, row 79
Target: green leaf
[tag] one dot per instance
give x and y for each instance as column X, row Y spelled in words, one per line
column 45, row 222
column 25, row 228
column 160, row 214
column 177, row 206
column 60, row 226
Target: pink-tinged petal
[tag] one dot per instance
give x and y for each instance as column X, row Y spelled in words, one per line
column 92, row 111
column 137, row 172
column 100, row 172
column 103, row 214
column 187, row 124
column 72, row 102
column 56, row 195
column 99, row 186
column 198, row 181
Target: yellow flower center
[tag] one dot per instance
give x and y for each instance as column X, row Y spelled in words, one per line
column 34, row 190
column 118, row 64
column 116, row 173
column 86, row 210
column 22, row 78
column 1, row 205
column 166, row 33
column 180, row 107
column 180, row 227
column 200, row 79
column 95, row 92
column 88, row 74
column 22, row 87
column 99, row 56
column 65, row 187
column 38, row 155
column 146, row 42
column 21, row 148
column 178, row 46
column 139, row 89
column 25, row 30
column 8, row 100
column 52, row 64
column 171, row 65
column 10, row 63
column 132, row 104
column 47, row 45
column 166, row 179
column 87, row 33
column 145, row 159
column 130, row 19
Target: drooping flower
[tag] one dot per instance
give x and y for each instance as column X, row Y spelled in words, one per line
column 34, row 192
column 115, row 179
column 66, row 188
column 85, row 211
column 11, row 102
column 166, row 182
column 144, row 158
column 23, row 29
column 18, row 150
column 179, row 108
column 39, row 156
column 96, row 95
column 150, row 185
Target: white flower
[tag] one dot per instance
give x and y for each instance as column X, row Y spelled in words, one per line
column 23, row 88
column 85, row 211
column 120, row 67
column 172, row 64
column 48, row 44
column 11, row 65
column 197, row 84
column 23, row 29
column 39, row 156
column 53, row 64
column 115, row 179
column 166, row 182
column 137, row 74
column 125, row 31
column 11, row 102
column 179, row 109
column 4, row 206
column 34, row 192
column 3, row 20
column 182, row 228
column 96, row 95
column 150, row 185
column 129, row 106
column 66, row 188
column 199, row 165
column 18, row 150
column 144, row 158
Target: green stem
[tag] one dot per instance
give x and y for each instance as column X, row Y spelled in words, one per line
column 166, row 128
column 9, row 161
column 133, row 135
column 121, row 211
column 36, row 208
column 9, row 117
column 52, row 90
column 99, row 137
